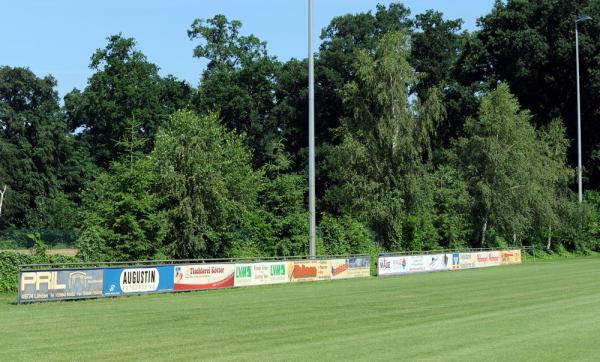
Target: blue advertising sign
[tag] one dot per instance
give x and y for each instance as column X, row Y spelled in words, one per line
column 455, row 261
column 40, row 285
column 137, row 280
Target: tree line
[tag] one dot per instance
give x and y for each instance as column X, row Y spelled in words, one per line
column 427, row 136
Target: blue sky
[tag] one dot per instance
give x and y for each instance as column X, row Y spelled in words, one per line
column 58, row 37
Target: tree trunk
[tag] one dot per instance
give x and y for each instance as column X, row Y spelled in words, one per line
column 2, row 198
column 483, row 230
column 549, row 237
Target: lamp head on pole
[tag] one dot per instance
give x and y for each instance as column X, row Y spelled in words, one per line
column 583, row 18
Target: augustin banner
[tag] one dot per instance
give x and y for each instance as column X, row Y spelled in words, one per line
column 247, row 274
column 60, row 284
column 154, row 279
column 204, row 276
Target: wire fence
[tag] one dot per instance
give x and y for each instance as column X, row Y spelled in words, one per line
column 116, row 264
column 527, row 252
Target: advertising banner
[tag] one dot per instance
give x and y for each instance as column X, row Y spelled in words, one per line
column 204, row 276
column 60, row 284
column 307, row 270
column 138, row 280
column 247, row 274
column 455, row 261
column 467, row 260
column 350, row 268
column 510, row 256
column 407, row 264
column 487, row 258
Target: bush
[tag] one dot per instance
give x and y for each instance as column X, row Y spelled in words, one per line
column 9, row 266
column 345, row 235
column 54, row 238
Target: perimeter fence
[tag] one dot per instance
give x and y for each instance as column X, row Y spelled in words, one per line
column 45, row 282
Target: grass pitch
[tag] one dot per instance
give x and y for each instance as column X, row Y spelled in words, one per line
column 535, row 311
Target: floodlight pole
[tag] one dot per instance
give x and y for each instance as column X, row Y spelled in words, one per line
column 311, row 135
column 579, row 166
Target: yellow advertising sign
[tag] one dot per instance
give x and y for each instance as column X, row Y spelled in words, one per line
column 350, row 268
column 511, row 256
column 309, row 270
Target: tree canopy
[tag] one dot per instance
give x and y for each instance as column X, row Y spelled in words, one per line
column 427, row 136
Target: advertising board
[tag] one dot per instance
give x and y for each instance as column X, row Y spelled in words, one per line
column 247, row 274
column 467, row 260
column 309, row 270
column 204, row 276
column 407, row 264
column 455, row 261
column 486, row 258
column 511, row 256
column 350, row 268
column 138, row 280
column 60, row 284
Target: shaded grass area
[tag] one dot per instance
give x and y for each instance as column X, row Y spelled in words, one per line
column 547, row 310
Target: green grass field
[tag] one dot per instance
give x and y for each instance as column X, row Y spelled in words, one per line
column 535, row 311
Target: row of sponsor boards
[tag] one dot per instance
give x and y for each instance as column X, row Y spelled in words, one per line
column 91, row 283
column 406, row 264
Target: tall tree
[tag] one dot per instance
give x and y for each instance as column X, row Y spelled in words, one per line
column 515, row 174
column 437, row 45
column 378, row 169
column 238, row 82
column 531, row 46
column 124, row 86
column 36, row 147
column 207, row 184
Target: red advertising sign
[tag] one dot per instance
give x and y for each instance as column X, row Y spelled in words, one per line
column 204, row 276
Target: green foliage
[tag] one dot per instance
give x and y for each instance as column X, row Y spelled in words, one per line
column 452, row 203
column 530, row 46
column 35, row 149
column 344, row 235
column 379, row 170
column 54, row 238
column 515, row 174
column 122, row 215
column 10, row 262
column 206, row 182
column 239, row 81
column 125, row 86
column 283, row 215
column 39, row 247
column 420, row 143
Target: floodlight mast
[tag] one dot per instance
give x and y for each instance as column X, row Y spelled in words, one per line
column 580, row 19
column 311, row 136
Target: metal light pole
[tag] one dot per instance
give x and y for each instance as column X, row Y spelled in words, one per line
column 311, row 136
column 580, row 19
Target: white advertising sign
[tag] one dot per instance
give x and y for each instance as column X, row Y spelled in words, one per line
column 247, row 274
column 204, row 276
column 139, row 280
column 406, row 264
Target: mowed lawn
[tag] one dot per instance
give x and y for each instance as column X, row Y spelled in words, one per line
column 536, row 311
